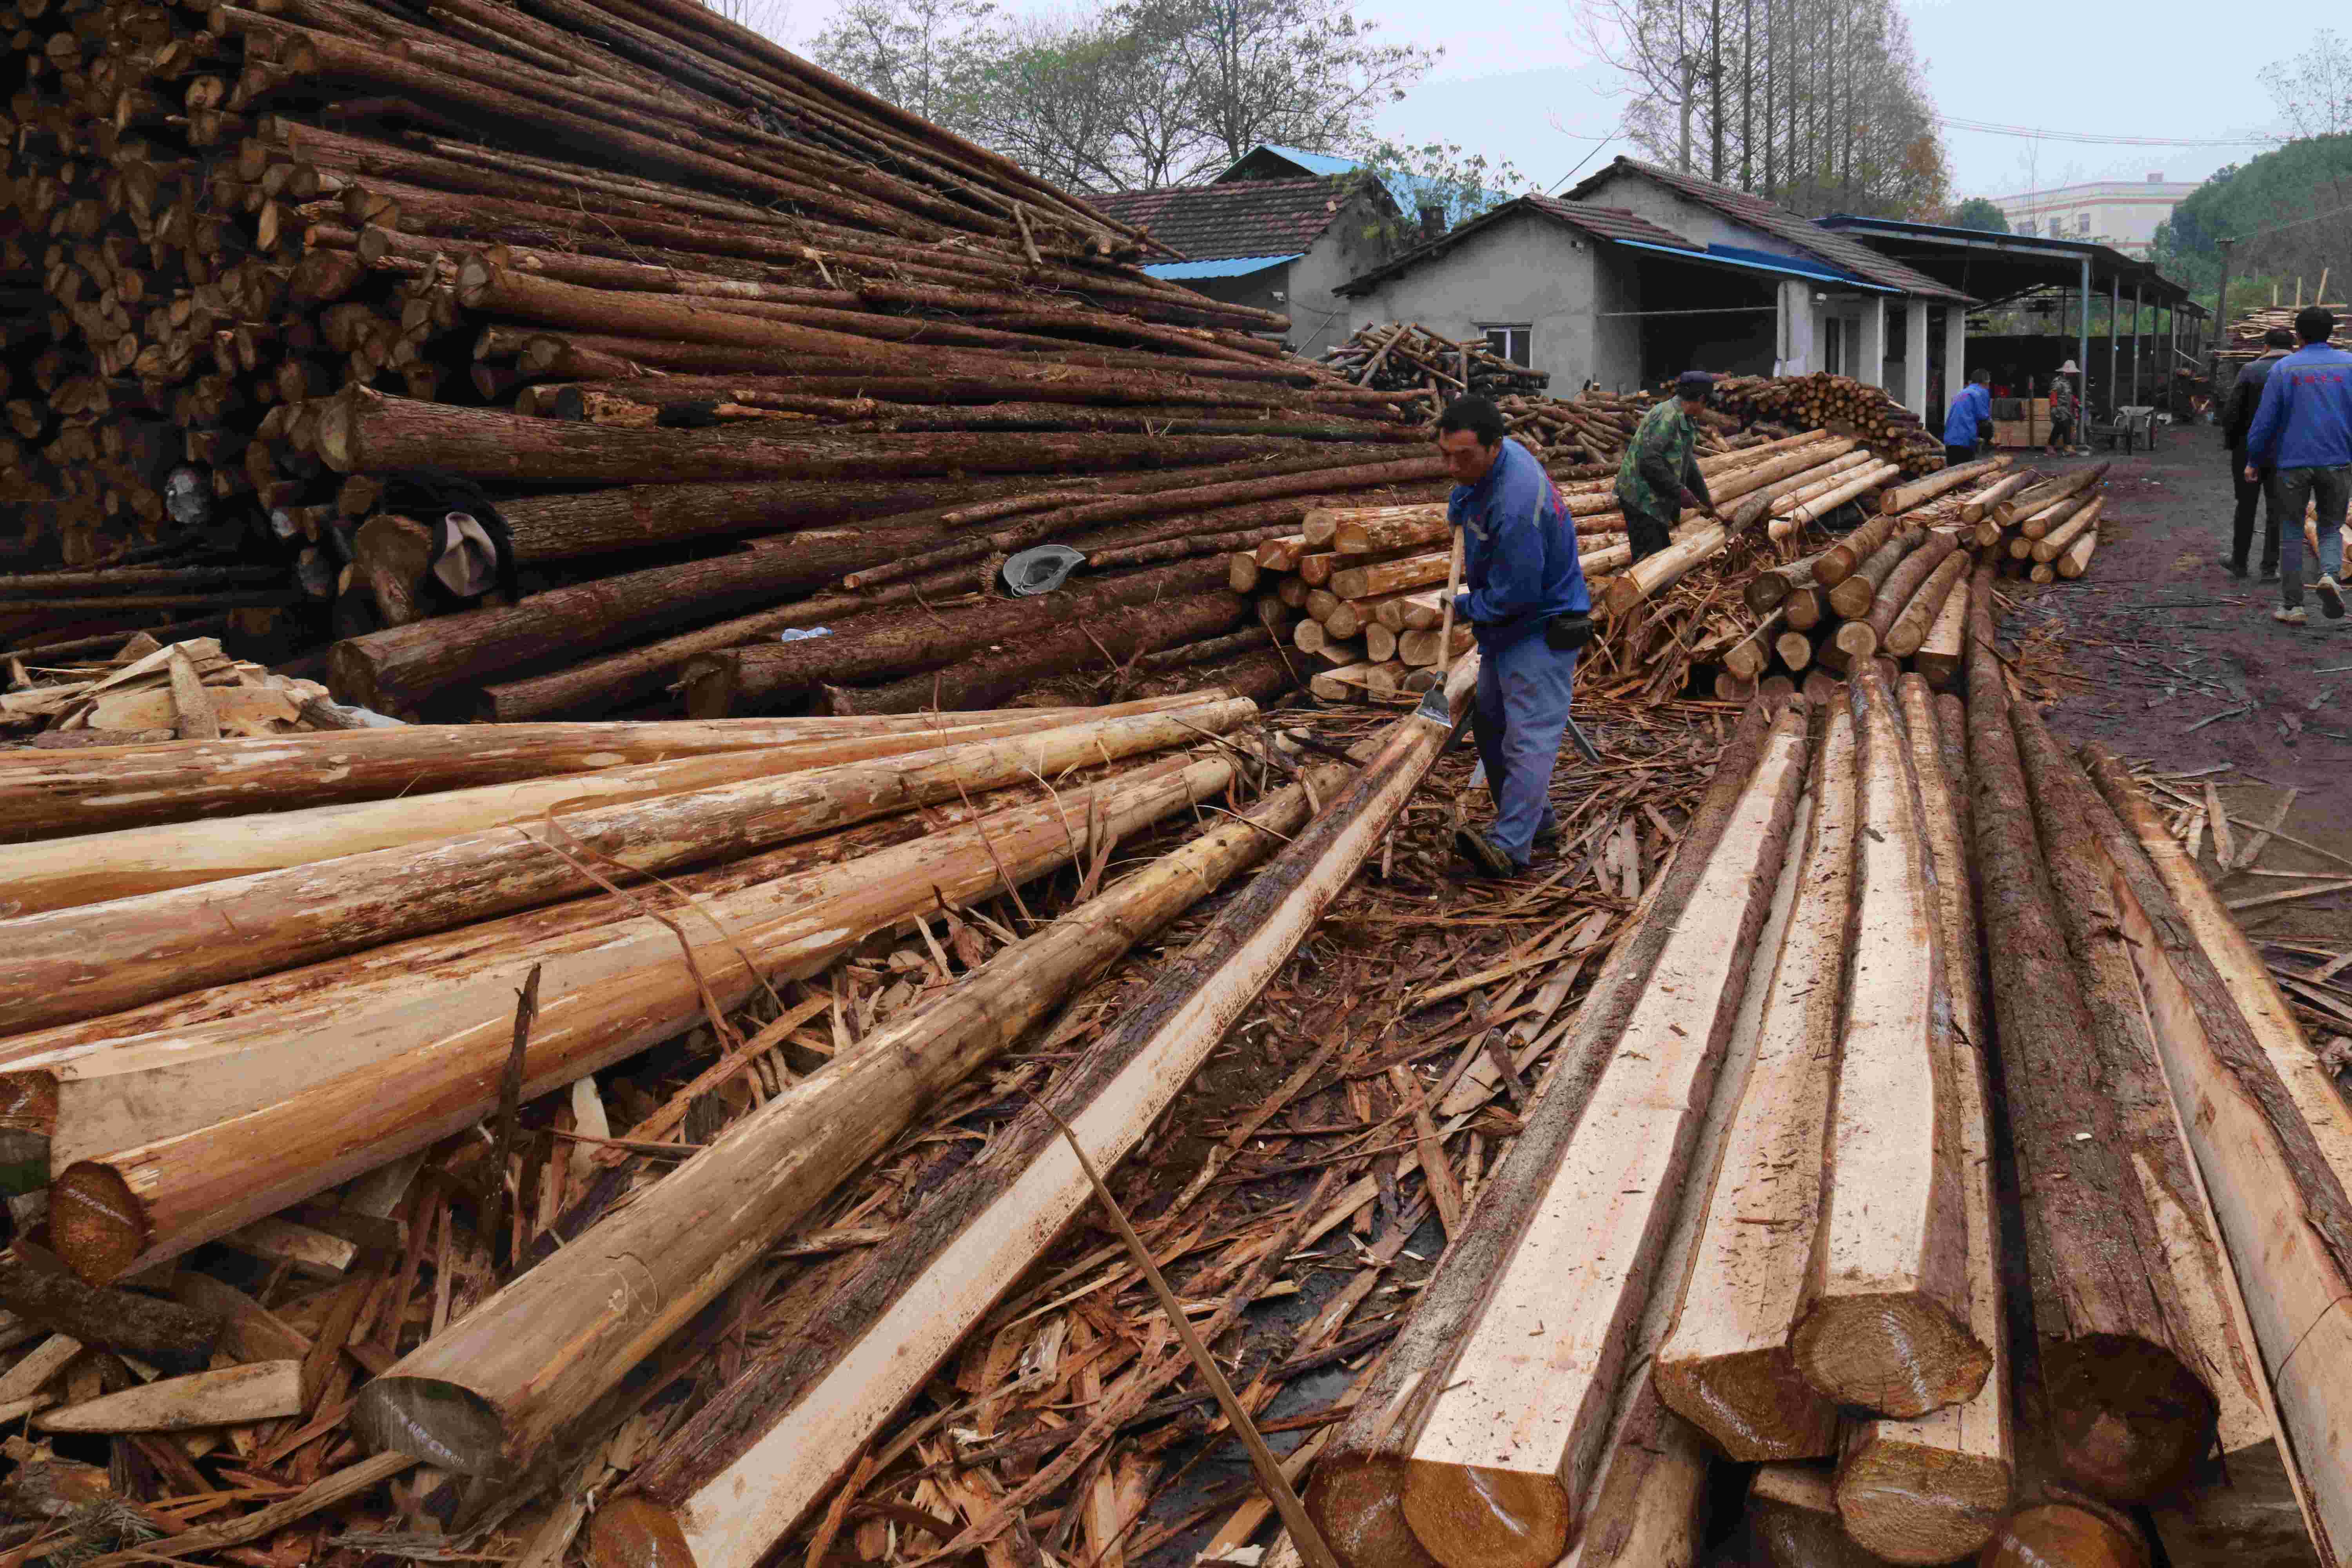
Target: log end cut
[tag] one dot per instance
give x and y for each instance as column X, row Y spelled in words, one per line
column 1753, row 1403
column 1359, row 1505
column 445, row 1425
column 2131, row 1419
column 1899, row 1354
column 637, row 1533
column 1471, row 1514
column 2075, row 1532
column 1914, row 1503
column 98, row 1224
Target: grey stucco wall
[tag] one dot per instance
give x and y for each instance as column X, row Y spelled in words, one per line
column 1524, row 270
column 1320, row 317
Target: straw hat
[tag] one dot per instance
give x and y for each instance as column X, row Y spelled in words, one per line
column 2070, row 368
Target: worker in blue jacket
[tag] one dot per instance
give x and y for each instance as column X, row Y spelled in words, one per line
column 2302, row 433
column 1524, row 594
column 1969, row 421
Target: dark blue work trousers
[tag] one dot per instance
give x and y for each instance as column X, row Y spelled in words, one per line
column 1521, row 714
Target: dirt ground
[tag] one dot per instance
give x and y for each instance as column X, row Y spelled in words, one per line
column 2182, row 666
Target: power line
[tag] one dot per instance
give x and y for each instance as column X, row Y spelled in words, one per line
column 1991, row 128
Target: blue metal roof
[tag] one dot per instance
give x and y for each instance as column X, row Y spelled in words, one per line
column 1313, row 163
column 1783, row 265
column 1230, row 266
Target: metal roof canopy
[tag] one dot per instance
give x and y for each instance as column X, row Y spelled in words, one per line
column 1230, row 266
column 1998, row 268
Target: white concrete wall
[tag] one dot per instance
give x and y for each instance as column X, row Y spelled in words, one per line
column 1798, row 318
column 1870, row 354
column 1524, row 270
column 1914, row 391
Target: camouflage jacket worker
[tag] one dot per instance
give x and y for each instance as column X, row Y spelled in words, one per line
column 1661, row 464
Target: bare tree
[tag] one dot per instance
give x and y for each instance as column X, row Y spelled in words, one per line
column 2313, row 91
column 924, row 56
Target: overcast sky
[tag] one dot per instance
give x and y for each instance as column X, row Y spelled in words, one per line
column 1516, row 84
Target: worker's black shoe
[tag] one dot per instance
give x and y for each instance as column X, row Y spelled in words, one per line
column 2234, row 568
column 1486, row 860
column 1548, row 833
column 2270, row 574
column 2331, row 598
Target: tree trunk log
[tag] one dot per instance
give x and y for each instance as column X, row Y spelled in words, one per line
column 1792, row 1511
column 1724, row 1365
column 1903, row 497
column 1053, row 655
column 606, row 993
column 1902, row 584
column 1854, row 597
column 1941, row 656
column 737, row 1477
column 487, row 1395
column 1908, row 631
column 2130, row 1412
column 1976, row 506
column 897, row 642
column 2073, row 1529
column 2024, row 503
column 1504, row 1456
column 38, row 1289
column 2059, row 540
column 1840, row 560
column 1654, row 575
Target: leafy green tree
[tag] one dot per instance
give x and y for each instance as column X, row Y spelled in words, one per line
column 2289, row 211
column 924, row 56
column 1978, row 212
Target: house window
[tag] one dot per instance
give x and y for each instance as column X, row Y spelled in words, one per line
column 2083, row 223
column 1513, row 342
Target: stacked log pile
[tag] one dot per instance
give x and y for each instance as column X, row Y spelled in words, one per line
column 1753, row 1211
column 1841, row 403
column 1405, row 356
column 2244, row 341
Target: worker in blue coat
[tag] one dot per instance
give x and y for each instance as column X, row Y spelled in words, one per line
column 2302, row 433
column 1969, row 421
column 1524, row 595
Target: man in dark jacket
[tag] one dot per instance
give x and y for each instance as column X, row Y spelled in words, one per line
column 2302, row 428
column 1658, row 476
column 2244, row 398
column 1524, row 595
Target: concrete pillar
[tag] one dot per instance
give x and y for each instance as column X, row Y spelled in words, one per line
column 1871, row 366
column 1956, row 351
column 1915, row 356
column 1796, row 345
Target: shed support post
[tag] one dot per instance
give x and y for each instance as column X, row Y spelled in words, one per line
column 1956, row 351
column 1915, row 356
column 1871, row 366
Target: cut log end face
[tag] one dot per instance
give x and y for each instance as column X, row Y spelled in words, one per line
column 1359, row 1505
column 637, row 1533
column 1756, row 1406
column 99, row 1224
column 2131, row 1419
column 447, row 1426
column 1466, row 1514
column 1908, row 1503
column 1899, row 1355
column 2064, row 1534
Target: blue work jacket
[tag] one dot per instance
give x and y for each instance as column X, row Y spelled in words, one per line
column 1520, row 566
column 1973, row 403
column 2305, row 417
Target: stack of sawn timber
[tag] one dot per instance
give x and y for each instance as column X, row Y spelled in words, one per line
column 656, row 285
column 1754, row 1213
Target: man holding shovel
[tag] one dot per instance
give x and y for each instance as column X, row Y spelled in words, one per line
column 1523, row 593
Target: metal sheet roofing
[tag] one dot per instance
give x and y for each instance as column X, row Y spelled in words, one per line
column 1229, row 266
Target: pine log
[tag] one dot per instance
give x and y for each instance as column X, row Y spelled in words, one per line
column 1355, row 1494
column 608, row 992
column 1650, row 1486
column 1752, row 654
column 1629, row 589
column 2077, row 559
column 1724, row 1365
column 86, row 961
column 901, row 641
column 1807, row 607
column 1399, row 529
column 1908, row 630
column 1884, row 1325
column 2059, row 540
column 58, row 873
column 1823, row 505
column 1382, row 578
column 486, row 1396
column 36, row 1289
column 1820, row 482
column 2129, row 1411
column 1903, row 497
column 1902, row 584
column 2074, row 1529
column 1505, row 1454
column 1773, row 584
column 1795, row 650
column 2276, row 1173
column 2042, row 522
column 1854, row 595
column 1792, row 1511
column 735, row 1477
column 229, row 1396
column 1420, row 650
column 1411, row 612
column 1976, row 505
column 1932, row 1489
column 2015, row 508
column 1840, row 560
column 1066, row 651
column 1939, row 657
column 1779, row 475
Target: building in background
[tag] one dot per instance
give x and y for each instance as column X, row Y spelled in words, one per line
column 2122, row 214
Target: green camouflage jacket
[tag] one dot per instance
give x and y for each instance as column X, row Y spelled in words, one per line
column 1659, row 465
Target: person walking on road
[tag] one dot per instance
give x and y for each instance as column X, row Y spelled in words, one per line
column 1969, row 421
column 2244, row 398
column 1658, row 476
column 2303, row 429
column 2062, row 410
column 1524, row 597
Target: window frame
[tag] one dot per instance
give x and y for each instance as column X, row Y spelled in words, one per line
column 1527, row 334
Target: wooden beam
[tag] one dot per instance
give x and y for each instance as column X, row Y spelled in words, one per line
column 227, row 1396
